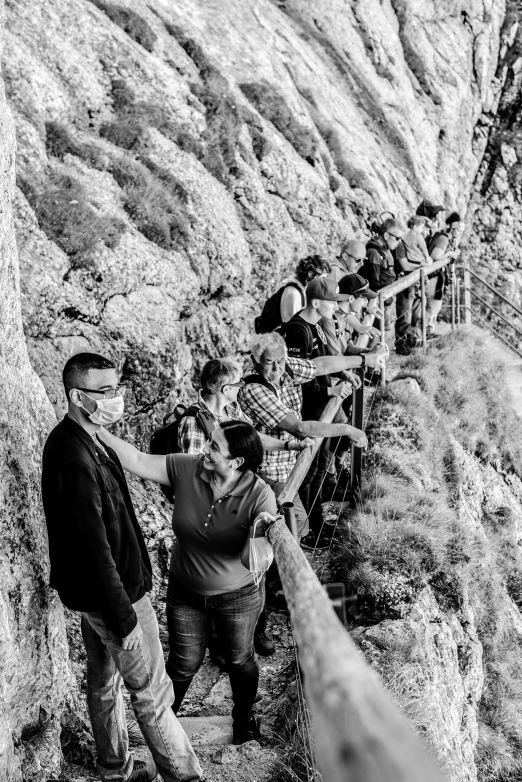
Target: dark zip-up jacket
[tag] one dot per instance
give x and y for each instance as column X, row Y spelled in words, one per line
column 99, row 561
column 379, row 266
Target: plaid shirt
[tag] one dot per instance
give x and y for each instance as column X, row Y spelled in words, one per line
column 192, row 438
column 267, row 409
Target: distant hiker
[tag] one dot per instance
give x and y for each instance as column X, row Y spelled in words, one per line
column 101, row 569
column 429, row 210
column 351, row 258
column 379, row 267
column 290, row 298
column 441, row 246
column 221, row 382
column 218, row 496
column 411, row 253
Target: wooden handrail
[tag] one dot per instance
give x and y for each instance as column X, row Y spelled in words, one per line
column 410, row 279
column 359, row 734
column 304, row 460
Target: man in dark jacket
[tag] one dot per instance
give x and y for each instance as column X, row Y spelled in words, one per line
column 379, row 267
column 100, row 568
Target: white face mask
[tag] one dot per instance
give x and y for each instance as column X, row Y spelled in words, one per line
column 108, row 411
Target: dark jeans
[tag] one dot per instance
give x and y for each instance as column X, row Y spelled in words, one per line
column 408, row 328
column 234, row 614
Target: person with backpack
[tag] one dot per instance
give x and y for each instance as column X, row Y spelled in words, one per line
column 379, row 268
column 441, row 245
column 350, row 259
column 219, row 498
column 411, row 253
column 290, row 298
column 305, row 339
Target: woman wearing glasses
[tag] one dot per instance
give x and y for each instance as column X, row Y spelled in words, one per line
column 218, row 497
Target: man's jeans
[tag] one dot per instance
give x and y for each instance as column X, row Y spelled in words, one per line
column 143, row 672
column 234, row 614
column 408, row 328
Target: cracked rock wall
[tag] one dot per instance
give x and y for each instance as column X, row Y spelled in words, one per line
column 35, row 680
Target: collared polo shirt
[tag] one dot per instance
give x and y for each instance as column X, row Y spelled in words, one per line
column 211, row 532
column 267, row 408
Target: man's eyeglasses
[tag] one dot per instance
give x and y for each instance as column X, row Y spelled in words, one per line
column 394, row 235
column 357, row 260
column 108, row 393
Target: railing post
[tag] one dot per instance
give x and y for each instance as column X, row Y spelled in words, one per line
column 383, row 335
column 457, row 295
column 467, row 295
column 452, row 283
column 358, row 422
column 423, row 305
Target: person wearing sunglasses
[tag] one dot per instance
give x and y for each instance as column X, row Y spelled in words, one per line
column 379, row 267
column 101, row 570
column 350, row 260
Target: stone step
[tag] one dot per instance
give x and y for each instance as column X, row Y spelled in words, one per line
column 211, row 731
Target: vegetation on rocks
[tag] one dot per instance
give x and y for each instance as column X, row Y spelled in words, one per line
column 447, row 408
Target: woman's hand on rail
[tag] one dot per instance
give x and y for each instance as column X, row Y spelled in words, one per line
column 262, row 523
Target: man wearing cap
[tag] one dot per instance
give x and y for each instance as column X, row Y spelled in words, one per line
column 351, row 258
column 442, row 246
column 339, row 329
column 305, row 339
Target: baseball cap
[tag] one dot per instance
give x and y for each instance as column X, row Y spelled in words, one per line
column 355, row 248
column 355, row 285
column 429, row 210
column 324, row 288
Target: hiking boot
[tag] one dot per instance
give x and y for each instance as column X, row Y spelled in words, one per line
column 264, row 644
column 245, row 730
column 315, row 541
column 143, row 771
column 403, row 350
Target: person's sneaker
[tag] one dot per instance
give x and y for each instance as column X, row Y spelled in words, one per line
column 264, row 644
column 403, row 350
column 245, row 730
column 143, row 771
column 315, row 541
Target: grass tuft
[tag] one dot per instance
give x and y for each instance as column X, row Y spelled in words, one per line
column 67, row 216
column 130, row 22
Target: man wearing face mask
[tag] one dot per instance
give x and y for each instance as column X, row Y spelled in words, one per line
column 101, row 569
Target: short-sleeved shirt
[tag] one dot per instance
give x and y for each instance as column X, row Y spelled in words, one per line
column 210, row 533
column 412, row 247
column 268, row 407
column 192, row 438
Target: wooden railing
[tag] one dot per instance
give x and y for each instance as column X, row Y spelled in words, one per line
column 359, row 734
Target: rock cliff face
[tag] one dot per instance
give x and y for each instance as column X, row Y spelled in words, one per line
column 174, row 161
column 35, row 681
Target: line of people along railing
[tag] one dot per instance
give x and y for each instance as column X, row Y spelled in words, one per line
column 358, row 732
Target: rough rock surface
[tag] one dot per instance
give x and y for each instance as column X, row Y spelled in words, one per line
column 174, row 161
column 35, row 679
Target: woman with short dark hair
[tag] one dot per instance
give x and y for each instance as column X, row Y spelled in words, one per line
column 218, row 496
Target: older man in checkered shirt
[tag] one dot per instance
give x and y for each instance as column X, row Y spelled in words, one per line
column 272, row 398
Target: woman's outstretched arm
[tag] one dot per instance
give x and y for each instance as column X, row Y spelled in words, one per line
column 151, row 467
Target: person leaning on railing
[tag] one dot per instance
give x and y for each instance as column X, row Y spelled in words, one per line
column 379, row 267
column 272, row 398
column 442, row 246
column 411, row 254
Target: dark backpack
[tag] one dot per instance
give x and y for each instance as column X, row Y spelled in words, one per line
column 164, row 440
column 270, row 318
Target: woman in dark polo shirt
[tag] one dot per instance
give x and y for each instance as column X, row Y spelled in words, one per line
column 218, row 496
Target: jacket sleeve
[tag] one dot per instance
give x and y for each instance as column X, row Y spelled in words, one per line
column 82, row 495
column 372, row 269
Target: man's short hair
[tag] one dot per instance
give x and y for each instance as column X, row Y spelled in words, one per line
column 78, row 366
column 312, row 263
column 217, row 373
column 391, row 224
column 262, row 342
column 416, row 220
